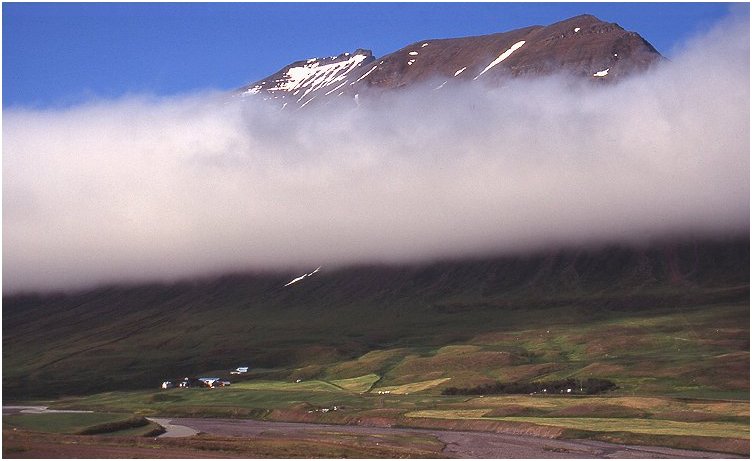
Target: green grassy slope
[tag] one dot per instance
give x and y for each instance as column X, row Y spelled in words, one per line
column 615, row 312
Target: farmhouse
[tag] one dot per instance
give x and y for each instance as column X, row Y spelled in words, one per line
column 208, row 382
column 197, row 382
column 190, row 382
column 214, row 382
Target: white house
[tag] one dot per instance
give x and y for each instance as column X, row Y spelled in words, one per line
column 209, row 381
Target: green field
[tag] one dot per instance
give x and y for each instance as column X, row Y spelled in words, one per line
column 68, row 423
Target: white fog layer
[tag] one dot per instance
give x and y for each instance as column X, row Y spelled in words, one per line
column 143, row 188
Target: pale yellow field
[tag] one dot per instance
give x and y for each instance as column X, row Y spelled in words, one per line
column 643, row 426
column 312, row 385
column 634, row 425
column 449, row 414
column 412, row 387
column 650, row 404
column 358, row 384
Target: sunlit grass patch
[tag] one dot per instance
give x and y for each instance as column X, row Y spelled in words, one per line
column 594, row 410
column 412, row 387
column 518, row 400
column 371, row 362
column 737, row 408
column 607, row 407
column 312, row 385
column 642, row 426
column 458, row 349
column 358, row 384
column 466, row 365
column 635, row 425
column 449, row 414
column 527, row 372
column 602, row 369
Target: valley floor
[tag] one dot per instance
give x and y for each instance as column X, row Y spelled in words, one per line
column 457, row 444
column 230, row 438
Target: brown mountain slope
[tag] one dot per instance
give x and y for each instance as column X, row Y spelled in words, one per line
column 582, row 47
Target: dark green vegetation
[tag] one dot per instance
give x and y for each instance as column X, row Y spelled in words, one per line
column 570, row 386
column 665, row 320
column 83, row 423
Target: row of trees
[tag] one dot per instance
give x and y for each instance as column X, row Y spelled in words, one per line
column 569, row 386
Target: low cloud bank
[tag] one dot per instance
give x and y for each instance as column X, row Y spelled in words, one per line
column 156, row 189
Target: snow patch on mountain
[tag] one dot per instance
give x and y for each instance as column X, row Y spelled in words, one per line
column 337, row 88
column 502, row 57
column 304, row 104
column 298, row 279
column 601, row 73
column 366, row 74
column 255, row 90
column 314, row 75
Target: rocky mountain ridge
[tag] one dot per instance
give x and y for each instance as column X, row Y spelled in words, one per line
column 583, row 47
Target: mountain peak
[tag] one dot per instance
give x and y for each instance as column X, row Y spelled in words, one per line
column 307, row 76
column 583, row 17
column 582, row 47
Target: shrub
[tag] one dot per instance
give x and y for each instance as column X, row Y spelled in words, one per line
column 134, row 421
column 568, row 386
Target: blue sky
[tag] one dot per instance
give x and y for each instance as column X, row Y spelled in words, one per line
column 60, row 54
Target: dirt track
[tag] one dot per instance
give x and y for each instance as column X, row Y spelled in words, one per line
column 457, row 444
column 173, row 430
